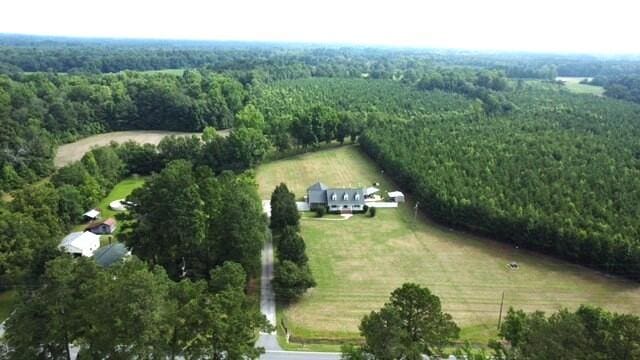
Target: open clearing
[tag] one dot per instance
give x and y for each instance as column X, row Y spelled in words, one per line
column 573, row 84
column 358, row 262
column 74, row 151
column 177, row 72
column 120, row 191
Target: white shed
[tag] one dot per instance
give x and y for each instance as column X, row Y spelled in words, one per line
column 370, row 191
column 396, row 196
column 91, row 214
column 80, row 243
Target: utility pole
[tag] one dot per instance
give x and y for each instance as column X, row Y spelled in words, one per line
column 500, row 316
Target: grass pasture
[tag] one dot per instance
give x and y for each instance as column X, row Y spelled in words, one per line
column 74, row 151
column 573, row 85
column 176, row 72
column 120, row 191
column 358, row 262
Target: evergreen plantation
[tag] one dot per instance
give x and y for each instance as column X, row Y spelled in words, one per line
column 557, row 174
column 487, row 143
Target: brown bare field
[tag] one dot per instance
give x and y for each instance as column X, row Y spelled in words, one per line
column 69, row 153
column 358, row 262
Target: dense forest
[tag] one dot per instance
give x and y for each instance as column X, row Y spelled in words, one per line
column 557, row 172
column 196, row 232
column 557, row 176
column 485, row 142
column 564, row 160
column 20, row 53
column 626, row 87
column 41, row 110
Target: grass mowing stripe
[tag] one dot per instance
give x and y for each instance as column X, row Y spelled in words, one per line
column 358, row 262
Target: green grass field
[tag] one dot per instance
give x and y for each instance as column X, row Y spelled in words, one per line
column 573, row 84
column 177, row 72
column 7, row 303
column 120, row 191
column 358, row 262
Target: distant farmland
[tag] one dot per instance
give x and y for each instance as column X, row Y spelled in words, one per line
column 573, row 84
column 74, row 151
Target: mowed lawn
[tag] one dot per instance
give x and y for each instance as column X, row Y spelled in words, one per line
column 120, row 191
column 358, row 262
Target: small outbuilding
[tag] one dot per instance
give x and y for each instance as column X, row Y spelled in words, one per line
column 370, row 191
column 80, row 243
column 111, row 254
column 107, row 226
column 92, row 214
column 396, row 196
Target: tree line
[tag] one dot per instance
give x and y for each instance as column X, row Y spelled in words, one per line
column 412, row 325
column 485, row 86
column 626, row 87
column 42, row 110
column 283, row 61
column 195, row 232
column 133, row 311
column 292, row 275
column 548, row 175
column 558, row 176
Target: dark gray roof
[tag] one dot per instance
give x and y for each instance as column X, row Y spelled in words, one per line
column 110, row 254
column 352, row 196
column 317, row 196
column 317, row 186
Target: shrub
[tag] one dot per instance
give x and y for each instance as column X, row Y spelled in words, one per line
column 290, row 281
column 321, row 211
column 372, row 211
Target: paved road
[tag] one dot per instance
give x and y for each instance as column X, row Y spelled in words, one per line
column 268, row 307
column 269, row 341
column 299, row 355
column 267, row 296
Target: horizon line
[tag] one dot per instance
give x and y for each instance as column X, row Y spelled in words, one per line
column 320, row 44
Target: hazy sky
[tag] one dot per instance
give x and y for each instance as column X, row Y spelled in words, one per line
column 611, row 26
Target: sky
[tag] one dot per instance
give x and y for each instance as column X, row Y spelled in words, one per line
column 587, row 26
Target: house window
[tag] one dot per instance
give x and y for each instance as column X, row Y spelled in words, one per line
column 334, row 197
column 334, row 206
column 345, row 197
column 356, row 197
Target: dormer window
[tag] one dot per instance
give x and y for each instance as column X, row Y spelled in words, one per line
column 356, row 197
column 334, row 197
column 345, row 197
